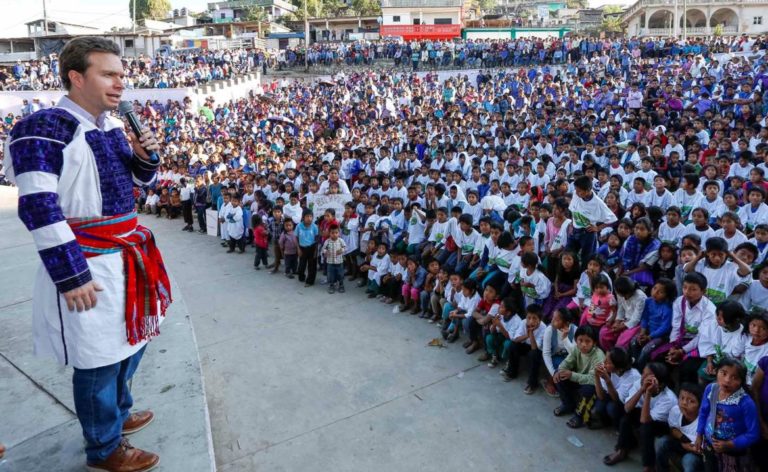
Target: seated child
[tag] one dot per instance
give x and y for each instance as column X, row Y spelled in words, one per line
column 689, row 312
column 527, row 340
column 575, row 377
column 467, row 304
column 655, row 322
column 498, row 341
column 679, row 446
column 559, row 341
column 486, row 310
column 624, row 325
column 614, row 378
column 648, row 406
column 721, row 337
column 602, row 306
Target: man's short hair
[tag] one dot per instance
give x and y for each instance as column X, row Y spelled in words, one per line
column 75, row 54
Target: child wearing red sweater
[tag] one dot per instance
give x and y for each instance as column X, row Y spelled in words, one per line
column 261, row 241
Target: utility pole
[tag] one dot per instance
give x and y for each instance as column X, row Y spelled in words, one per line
column 306, row 38
column 685, row 20
column 45, row 19
column 134, row 20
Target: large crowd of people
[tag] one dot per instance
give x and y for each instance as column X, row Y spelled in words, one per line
column 180, row 68
column 601, row 224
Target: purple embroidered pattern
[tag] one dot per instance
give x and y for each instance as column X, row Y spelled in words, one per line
column 40, row 209
column 113, row 158
column 44, row 155
column 66, row 265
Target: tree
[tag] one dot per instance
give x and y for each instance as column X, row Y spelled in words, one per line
column 611, row 20
column 150, row 9
column 254, row 13
column 366, row 7
column 577, row 4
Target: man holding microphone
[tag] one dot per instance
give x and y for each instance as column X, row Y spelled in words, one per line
column 102, row 289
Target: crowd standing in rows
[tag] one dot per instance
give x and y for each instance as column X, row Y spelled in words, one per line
column 601, row 224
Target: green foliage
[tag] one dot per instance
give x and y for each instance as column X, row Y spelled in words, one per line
column 150, row 9
column 254, row 13
column 366, row 7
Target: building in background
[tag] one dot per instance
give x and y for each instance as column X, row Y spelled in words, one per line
column 421, row 19
column 702, row 17
column 237, row 10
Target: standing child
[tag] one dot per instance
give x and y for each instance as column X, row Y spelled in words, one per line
column 261, row 241
column 349, row 226
column 276, row 227
column 235, row 228
column 590, row 217
column 728, row 422
column 289, row 248
column 223, row 212
column 333, row 253
column 308, row 234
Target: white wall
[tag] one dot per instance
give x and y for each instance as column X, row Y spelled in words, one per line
column 11, row 102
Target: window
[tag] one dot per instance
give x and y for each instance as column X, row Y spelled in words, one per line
column 223, row 15
column 416, row 21
column 396, row 19
column 128, row 43
column 757, row 20
column 443, row 21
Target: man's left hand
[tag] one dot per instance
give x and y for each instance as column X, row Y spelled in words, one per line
column 146, row 142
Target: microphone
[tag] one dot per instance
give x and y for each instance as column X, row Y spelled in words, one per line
column 126, row 110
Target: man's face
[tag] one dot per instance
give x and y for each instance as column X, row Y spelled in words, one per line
column 101, row 86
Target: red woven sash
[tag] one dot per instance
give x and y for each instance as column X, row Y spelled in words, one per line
column 146, row 281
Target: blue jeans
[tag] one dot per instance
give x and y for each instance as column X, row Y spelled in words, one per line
column 103, row 402
column 667, row 448
column 335, row 274
column 582, row 243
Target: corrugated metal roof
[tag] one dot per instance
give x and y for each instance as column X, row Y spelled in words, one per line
column 421, row 3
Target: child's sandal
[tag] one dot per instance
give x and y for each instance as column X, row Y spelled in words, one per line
column 559, row 411
column 575, row 423
column 528, row 390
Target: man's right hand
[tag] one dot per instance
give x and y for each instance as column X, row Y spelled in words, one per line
column 82, row 298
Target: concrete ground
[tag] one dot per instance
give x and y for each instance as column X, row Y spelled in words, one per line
column 38, row 424
column 297, row 379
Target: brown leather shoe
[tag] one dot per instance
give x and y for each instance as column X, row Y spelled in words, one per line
column 137, row 421
column 127, row 458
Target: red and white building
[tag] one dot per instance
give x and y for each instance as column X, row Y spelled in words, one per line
column 421, row 19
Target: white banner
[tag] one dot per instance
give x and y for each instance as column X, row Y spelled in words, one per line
column 212, row 222
column 321, row 203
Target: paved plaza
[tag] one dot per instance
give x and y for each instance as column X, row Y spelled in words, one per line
column 294, row 378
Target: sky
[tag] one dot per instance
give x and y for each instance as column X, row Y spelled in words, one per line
column 102, row 13
column 99, row 13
